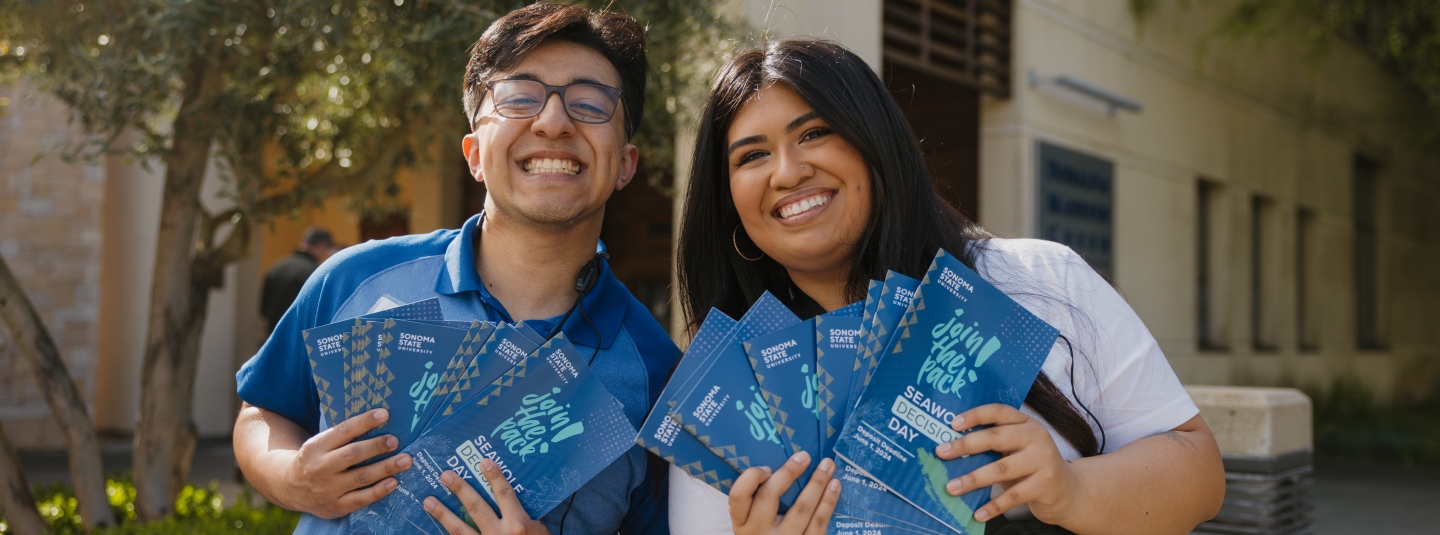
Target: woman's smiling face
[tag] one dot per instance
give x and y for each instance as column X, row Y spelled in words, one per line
column 803, row 192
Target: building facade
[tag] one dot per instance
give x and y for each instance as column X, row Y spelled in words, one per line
column 1265, row 209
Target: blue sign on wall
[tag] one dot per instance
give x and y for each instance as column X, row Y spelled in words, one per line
column 1077, row 200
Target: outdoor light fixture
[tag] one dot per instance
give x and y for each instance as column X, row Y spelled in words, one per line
column 1112, row 101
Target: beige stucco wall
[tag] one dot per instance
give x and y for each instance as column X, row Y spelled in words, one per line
column 50, row 234
column 81, row 239
column 131, row 213
column 1260, row 119
column 856, row 23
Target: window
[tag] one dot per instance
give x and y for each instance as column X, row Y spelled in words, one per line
column 1210, row 267
column 1367, row 291
column 1262, row 268
column 1305, row 332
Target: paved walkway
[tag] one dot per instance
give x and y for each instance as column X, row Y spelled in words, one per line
column 1371, row 498
column 1349, row 496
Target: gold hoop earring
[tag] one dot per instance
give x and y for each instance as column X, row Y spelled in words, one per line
column 735, row 240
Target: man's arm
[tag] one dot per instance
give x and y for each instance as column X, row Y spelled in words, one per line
column 299, row 472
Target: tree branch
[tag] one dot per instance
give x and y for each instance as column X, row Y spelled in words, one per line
column 334, row 180
column 17, row 506
column 29, row 336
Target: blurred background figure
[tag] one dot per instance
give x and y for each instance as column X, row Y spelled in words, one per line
column 283, row 281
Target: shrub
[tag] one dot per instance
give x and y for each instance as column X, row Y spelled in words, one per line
column 199, row 510
column 1349, row 423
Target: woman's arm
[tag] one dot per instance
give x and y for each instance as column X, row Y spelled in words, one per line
column 1161, row 484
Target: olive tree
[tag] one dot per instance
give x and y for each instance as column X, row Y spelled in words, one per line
column 292, row 102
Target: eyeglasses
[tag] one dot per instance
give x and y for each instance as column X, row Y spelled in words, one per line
column 586, row 102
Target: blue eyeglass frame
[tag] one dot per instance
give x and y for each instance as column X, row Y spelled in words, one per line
column 614, row 92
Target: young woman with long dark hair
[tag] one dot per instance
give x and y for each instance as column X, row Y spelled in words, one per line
column 807, row 182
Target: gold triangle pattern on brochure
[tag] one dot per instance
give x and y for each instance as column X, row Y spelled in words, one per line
column 466, row 381
column 504, row 383
column 451, row 375
column 728, row 452
column 359, row 394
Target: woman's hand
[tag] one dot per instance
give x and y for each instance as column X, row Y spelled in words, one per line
column 1032, row 472
column 513, row 520
column 755, row 499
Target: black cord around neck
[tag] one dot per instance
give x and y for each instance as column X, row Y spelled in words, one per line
column 579, row 304
column 1076, row 394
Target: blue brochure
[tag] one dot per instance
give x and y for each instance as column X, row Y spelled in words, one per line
column 856, row 309
column 842, row 524
column 502, row 351
column 409, row 360
column 784, row 366
column 837, row 338
column 423, row 310
column 725, row 409
column 357, row 382
column 962, row 344
column 548, row 423
column 328, row 349
column 895, row 296
column 662, row 436
column 448, row 323
column 865, row 498
column 476, row 334
column 857, row 371
column 357, row 374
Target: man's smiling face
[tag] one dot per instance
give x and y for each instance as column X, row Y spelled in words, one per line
column 551, row 171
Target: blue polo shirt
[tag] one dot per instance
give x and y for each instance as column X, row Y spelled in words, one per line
column 633, row 355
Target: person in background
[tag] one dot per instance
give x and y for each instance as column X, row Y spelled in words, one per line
column 283, row 281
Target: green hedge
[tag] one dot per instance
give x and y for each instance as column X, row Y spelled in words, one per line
column 197, row 510
column 1349, row 423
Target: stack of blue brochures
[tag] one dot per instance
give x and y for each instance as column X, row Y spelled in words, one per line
column 873, row 385
column 459, row 392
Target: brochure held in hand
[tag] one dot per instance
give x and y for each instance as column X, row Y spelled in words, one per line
column 873, row 385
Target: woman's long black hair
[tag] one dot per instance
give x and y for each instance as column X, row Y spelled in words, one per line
column 908, row 223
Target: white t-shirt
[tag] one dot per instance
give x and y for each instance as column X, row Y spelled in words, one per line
column 1119, row 372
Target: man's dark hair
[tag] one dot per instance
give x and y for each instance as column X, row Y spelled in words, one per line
column 316, row 236
column 616, row 36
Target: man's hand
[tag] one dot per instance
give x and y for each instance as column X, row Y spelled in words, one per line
column 755, row 499
column 513, row 520
column 317, row 476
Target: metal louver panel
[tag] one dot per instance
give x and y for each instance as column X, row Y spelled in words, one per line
column 967, row 41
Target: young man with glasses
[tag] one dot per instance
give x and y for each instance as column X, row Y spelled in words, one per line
column 553, row 94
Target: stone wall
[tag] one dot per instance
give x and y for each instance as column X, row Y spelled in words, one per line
column 50, row 236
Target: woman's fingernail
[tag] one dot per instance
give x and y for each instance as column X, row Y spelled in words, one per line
column 766, row 469
column 487, row 465
column 954, row 487
column 943, row 449
column 430, row 504
column 827, row 465
column 447, row 477
column 402, row 462
column 390, row 484
column 391, row 442
column 381, row 414
column 800, row 458
column 983, row 514
column 833, row 487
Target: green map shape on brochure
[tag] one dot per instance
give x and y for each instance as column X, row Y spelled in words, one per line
column 935, row 471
